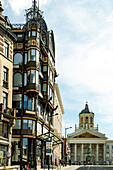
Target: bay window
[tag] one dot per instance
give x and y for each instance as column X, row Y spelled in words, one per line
column 33, row 55
column 32, row 76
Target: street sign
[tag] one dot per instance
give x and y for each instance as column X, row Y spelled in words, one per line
column 49, row 146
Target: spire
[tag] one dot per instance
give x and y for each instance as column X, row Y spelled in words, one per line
column 34, row 4
column 86, row 105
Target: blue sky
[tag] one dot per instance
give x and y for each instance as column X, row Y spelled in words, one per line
column 83, row 32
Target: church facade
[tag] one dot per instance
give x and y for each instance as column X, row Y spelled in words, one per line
column 87, row 144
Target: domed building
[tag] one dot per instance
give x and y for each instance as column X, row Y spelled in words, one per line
column 87, row 144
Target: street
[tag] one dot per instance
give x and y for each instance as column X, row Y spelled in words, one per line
column 88, row 167
column 99, row 167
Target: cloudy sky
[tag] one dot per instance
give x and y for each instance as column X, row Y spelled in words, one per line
column 83, row 31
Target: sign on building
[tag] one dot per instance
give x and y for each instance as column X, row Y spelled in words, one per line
column 49, row 146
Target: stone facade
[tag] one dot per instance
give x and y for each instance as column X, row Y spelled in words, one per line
column 7, row 114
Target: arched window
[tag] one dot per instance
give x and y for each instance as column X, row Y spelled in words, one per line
column 86, row 120
column 18, row 59
column 17, row 80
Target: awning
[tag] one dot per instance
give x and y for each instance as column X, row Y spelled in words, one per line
column 55, row 138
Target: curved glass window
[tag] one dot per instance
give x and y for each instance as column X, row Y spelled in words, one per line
column 17, row 80
column 28, row 124
column 18, row 59
column 33, row 55
column 29, row 103
column 32, row 76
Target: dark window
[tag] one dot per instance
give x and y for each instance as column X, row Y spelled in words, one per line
column 18, row 59
column 17, row 101
column 6, row 49
column 5, row 100
column 5, row 77
column 107, row 147
column 17, row 81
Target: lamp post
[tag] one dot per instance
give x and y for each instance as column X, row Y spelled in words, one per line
column 65, row 144
column 50, row 116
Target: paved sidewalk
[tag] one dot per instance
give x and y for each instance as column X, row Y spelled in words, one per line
column 61, row 167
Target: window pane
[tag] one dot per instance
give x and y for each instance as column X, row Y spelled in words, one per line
column 17, row 124
column 33, row 33
column 37, row 55
column 44, row 68
column 29, row 55
column 25, row 102
column 6, row 49
column 5, row 100
column 25, row 79
column 25, row 124
column 28, row 76
column 44, row 87
column 17, row 101
column 17, row 80
column 18, row 59
column 30, row 124
column 33, row 54
column 37, row 78
column 32, row 76
column 25, row 60
column 25, row 143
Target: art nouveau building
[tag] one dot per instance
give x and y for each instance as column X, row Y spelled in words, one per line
column 33, row 90
column 87, row 143
column 7, row 114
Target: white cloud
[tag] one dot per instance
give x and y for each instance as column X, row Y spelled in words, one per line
column 19, row 5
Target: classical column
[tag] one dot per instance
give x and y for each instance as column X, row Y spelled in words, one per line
column 97, row 153
column 75, row 153
column 82, row 153
column 104, row 153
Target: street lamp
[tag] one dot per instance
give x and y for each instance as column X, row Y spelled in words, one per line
column 65, row 144
column 50, row 116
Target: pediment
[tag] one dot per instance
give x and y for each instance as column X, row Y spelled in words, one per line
column 86, row 135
